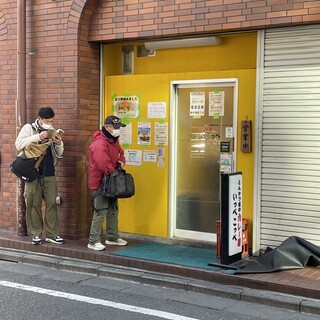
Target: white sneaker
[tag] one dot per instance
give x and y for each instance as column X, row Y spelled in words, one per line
column 97, row 246
column 119, row 242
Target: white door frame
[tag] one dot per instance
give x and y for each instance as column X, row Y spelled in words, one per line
column 227, row 82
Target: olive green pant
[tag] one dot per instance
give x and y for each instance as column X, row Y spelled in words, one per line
column 105, row 208
column 36, row 191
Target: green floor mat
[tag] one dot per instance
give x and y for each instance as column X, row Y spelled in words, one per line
column 173, row 254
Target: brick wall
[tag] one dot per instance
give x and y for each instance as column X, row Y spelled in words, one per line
column 64, row 72
column 114, row 20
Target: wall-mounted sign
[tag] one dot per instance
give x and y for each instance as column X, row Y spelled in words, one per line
column 225, row 146
column 246, row 136
column 126, row 106
column 157, row 109
column 226, row 163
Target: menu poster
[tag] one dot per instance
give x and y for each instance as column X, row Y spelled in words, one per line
column 197, row 103
column 126, row 106
column 144, row 133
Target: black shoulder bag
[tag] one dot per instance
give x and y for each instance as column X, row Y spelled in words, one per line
column 24, row 168
column 118, row 184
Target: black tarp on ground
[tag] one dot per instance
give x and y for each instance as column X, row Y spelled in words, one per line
column 293, row 253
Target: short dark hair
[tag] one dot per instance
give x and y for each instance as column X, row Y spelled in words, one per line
column 46, row 113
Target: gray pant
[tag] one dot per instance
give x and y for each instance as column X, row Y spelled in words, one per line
column 36, row 191
column 105, row 208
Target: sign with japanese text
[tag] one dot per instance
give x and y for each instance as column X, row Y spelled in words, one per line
column 197, row 103
column 235, row 214
column 216, row 103
column 246, row 136
column 126, row 106
column 231, row 217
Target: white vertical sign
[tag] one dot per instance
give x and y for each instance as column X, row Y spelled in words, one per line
column 235, row 214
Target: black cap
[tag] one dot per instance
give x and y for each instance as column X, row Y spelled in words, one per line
column 114, row 121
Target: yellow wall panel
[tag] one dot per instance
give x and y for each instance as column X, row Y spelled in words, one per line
column 236, row 52
column 147, row 212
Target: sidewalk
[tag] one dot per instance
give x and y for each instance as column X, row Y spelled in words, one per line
column 299, row 283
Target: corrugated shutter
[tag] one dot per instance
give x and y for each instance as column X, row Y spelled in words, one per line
column 290, row 166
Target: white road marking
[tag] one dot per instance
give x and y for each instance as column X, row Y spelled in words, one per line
column 105, row 303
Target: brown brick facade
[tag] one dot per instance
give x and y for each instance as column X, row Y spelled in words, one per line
column 116, row 20
column 64, row 72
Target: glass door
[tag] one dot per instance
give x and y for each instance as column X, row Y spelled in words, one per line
column 204, row 122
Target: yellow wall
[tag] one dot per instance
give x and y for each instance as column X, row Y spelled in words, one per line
column 147, row 212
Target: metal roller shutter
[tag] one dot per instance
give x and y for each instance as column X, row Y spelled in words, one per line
column 290, row 154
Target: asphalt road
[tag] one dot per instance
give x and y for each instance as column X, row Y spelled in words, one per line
column 35, row 292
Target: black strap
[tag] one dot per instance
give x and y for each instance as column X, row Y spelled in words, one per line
column 44, row 167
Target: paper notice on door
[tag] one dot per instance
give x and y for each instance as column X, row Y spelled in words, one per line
column 216, row 103
column 197, row 103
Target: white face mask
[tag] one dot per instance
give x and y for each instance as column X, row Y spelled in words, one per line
column 46, row 126
column 115, row 133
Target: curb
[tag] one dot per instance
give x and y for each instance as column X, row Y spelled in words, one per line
column 296, row 303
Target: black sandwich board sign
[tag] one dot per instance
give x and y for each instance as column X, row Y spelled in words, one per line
column 231, row 218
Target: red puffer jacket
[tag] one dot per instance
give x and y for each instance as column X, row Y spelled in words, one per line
column 104, row 154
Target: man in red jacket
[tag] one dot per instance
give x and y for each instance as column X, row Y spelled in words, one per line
column 105, row 156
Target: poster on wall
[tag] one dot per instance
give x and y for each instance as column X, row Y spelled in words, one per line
column 157, row 110
column 197, row 103
column 161, row 155
column 216, row 103
column 226, row 163
column 144, row 133
column 133, row 157
column 126, row 106
column 149, row 156
column 161, row 133
column 126, row 135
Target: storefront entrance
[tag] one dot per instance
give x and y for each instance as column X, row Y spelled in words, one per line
column 204, row 130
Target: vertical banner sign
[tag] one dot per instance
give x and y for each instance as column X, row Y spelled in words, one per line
column 235, row 214
column 246, row 136
column 231, row 217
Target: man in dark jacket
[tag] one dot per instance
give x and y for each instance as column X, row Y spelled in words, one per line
column 105, row 156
